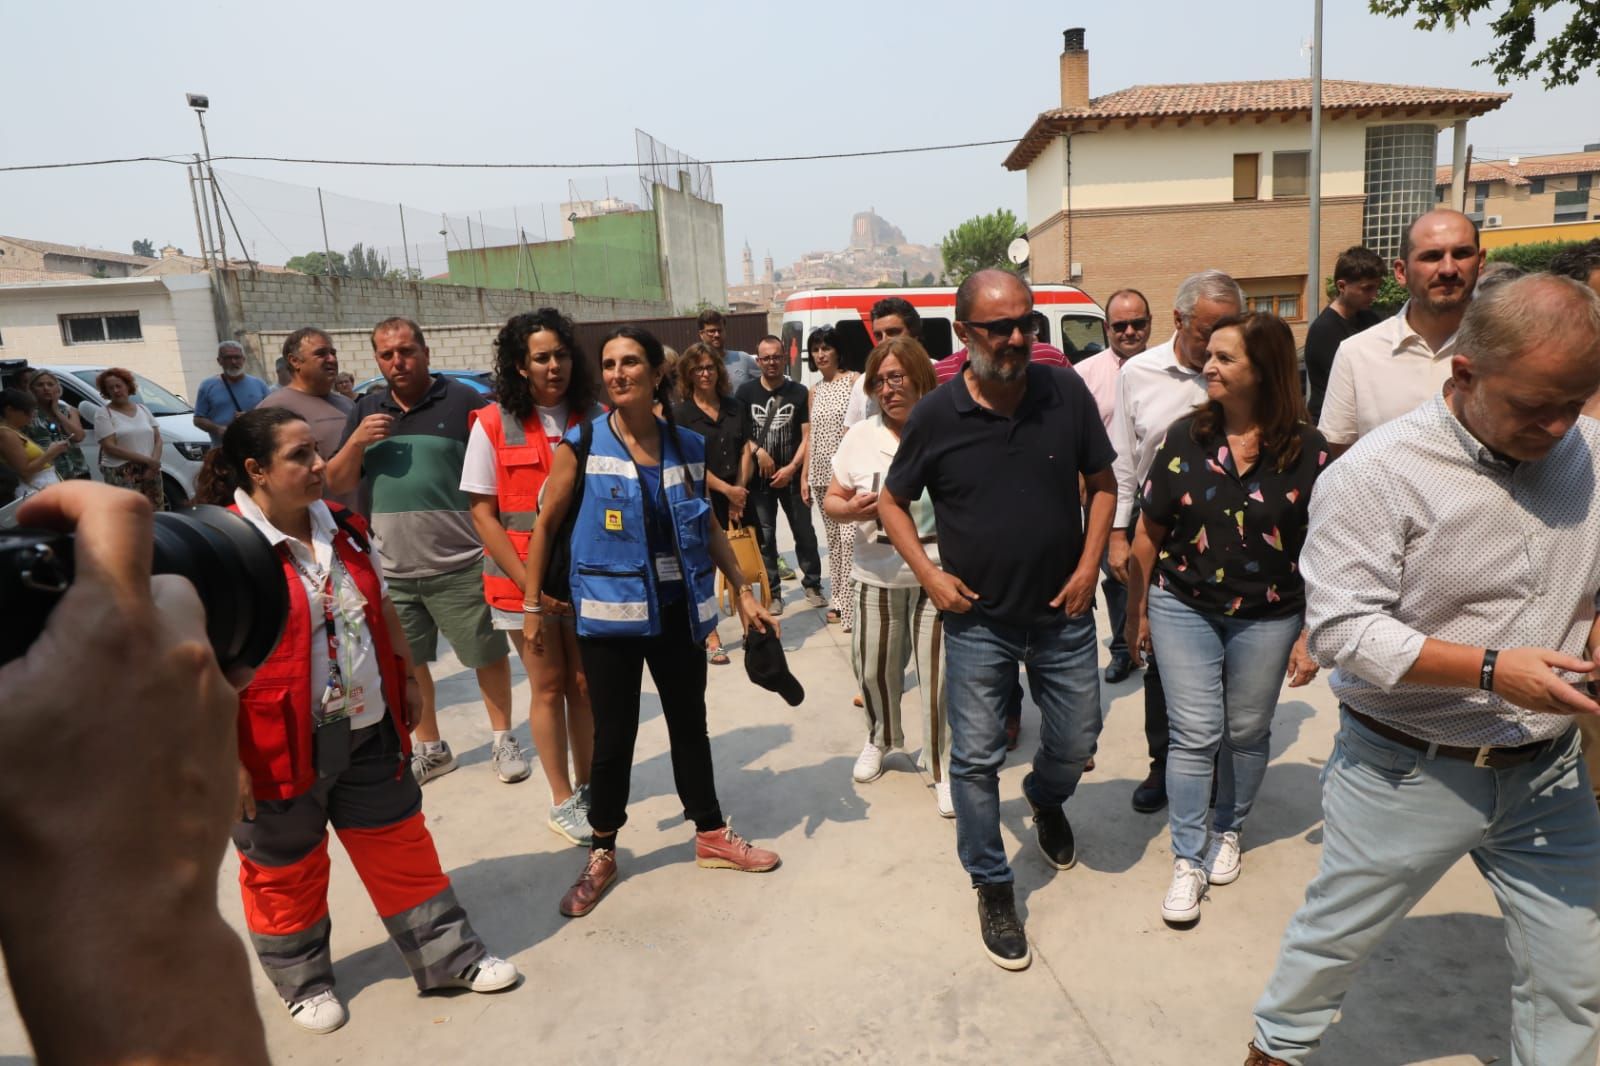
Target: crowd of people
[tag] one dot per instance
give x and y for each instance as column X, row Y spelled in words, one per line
column 1421, row 522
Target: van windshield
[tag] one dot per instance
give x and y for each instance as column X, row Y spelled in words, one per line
column 153, row 396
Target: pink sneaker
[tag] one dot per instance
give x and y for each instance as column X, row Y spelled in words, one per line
column 723, row 849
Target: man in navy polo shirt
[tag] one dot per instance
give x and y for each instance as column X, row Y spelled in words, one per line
column 1000, row 449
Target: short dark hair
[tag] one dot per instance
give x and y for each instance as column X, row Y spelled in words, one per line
column 395, row 322
column 291, row 343
column 1358, row 263
column 511, row 352
column 1577, row 262
column 967, row 293
column 902, row 309
column 773, row 338
column 709, row 317
column 1405, row 239
column 823, row 334
column 1128, row 292
column 21, row 399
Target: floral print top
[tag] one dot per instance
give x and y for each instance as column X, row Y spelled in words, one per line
column 1233, row 541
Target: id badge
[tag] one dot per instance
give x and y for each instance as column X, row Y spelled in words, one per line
column 331, row 747
column 667, row 568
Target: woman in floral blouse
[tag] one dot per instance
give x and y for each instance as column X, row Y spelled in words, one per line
column 1222, row 521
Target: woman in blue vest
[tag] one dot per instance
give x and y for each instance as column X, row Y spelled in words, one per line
column 643, row 548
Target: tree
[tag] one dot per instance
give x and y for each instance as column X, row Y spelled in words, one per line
column 1532, row 257
column 367, row 263
column 980, row 243
column 317, row 263
column 145, row 247
column 1564, row 57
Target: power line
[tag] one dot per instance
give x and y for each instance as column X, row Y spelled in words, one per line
column 631, row 164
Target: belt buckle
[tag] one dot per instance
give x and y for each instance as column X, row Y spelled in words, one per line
column 1481, row 760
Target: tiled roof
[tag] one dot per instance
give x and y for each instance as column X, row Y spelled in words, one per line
column 48, row 248
column 1240, row 98
column 1525, row 170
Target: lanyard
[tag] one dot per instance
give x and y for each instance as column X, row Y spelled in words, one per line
column 333, row 698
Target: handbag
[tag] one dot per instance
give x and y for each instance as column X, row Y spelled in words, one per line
column 747, row 552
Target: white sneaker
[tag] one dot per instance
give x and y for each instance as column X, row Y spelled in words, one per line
column 1222, row 860
column 941, row 793
column 1183, row 898
column 869, row 764
column 321, row 1013
column 489, row 974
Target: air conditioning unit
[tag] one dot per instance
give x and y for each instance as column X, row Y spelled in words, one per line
column 1491, row 221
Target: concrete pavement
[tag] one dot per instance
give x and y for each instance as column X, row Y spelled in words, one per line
column 863, row 945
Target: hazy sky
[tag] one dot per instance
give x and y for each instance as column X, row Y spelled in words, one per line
column 483, row 81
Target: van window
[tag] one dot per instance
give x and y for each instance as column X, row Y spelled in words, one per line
column 1082, row 336
column 855, row 344
column 937, row 337
column 153, row 396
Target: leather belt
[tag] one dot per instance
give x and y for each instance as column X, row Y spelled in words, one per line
column 1490, row 758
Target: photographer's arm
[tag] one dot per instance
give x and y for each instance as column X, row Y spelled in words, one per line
column 123, row 873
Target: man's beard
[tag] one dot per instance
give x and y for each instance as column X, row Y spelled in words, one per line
column 992, row 369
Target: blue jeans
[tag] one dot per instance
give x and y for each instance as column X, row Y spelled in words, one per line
column 981, row 659
column 1394, row 821
column 1222, row 677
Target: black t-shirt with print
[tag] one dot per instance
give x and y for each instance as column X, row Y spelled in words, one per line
column 773, row 417
column 1233, row 543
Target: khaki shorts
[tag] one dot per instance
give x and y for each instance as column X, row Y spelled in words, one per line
column 451, row 604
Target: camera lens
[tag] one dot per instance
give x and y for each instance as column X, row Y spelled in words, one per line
column 230, row 564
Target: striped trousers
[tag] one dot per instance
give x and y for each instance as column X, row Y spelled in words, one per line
column 376, row 808
column 893, row 629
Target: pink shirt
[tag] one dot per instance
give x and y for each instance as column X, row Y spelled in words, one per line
column 1048, row 354
column 1099, row 372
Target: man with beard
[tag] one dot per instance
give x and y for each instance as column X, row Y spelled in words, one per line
column 314, row 365
column 229, row 394
column 1451, row 577
column 1383, row 372
column 1001, row 447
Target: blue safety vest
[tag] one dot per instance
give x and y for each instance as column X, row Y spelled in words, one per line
column 613, row 575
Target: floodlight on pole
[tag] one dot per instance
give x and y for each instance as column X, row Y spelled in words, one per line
column 201, row 103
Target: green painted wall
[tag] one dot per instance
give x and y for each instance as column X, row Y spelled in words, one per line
column 608, row 256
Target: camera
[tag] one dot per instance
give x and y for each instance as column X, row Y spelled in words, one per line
column 236, row 572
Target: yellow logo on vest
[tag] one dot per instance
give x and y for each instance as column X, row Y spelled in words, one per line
column 614, row 521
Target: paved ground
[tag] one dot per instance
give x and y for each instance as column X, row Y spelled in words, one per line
column 863, row 946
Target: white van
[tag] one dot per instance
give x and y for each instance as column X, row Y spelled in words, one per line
column 1073, row 322
column 183, row 444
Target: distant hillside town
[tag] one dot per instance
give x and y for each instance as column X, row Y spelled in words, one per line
column 876, row 254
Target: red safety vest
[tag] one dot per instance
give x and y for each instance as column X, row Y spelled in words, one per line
column 275, row 721
column 521, row 463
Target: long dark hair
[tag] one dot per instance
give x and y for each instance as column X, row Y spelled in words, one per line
column 656, row 356
column 693, row 354
column 252, row 435
column 1280, row 407
column 511, row 355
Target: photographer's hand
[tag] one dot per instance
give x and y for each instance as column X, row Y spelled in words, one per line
column 123, row 869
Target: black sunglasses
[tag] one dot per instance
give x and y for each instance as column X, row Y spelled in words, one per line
column 1138, row 324
column 1004, row 327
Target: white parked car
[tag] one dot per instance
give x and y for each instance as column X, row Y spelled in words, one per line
column 184, row 445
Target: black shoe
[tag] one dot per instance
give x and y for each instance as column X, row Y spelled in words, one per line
column 1003, row 937
column 1054, row 832
column 1118, row 669
column 1151, row 795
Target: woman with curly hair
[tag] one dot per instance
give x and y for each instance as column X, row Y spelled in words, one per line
column 129, row 438
column 545, row 386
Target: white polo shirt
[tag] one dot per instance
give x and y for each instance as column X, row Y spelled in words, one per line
column 1154, row 390
column 1380, row 374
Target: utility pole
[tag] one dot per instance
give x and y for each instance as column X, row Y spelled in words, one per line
column 327, row 252
column 405, row 250
column 1314, row 278
column 200, row 103
column 200, row 231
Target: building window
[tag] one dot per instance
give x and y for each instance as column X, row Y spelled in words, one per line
column 1398, row 181
column 1278, row 296
column 1246, row 176
column 1538, row 187
column 1291, row 175
column 101, row 327
column 1572, row 206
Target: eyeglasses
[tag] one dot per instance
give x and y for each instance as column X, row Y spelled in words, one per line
column 703, row 370
column 1138, row 325
column 1004, row 327
column 894, row 379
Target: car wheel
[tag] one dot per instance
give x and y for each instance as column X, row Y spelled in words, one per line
column 175, row 497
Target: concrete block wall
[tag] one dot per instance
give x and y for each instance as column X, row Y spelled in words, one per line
column 461, row 347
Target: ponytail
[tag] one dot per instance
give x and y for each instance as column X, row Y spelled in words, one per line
column 217, row 480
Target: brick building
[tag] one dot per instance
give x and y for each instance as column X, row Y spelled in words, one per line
column 1533, row 190
column 1146, row 185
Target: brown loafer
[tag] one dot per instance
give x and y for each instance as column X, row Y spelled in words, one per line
column 1257, row 1057
column 597, row 876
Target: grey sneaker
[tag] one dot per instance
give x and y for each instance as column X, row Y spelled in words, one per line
column 815, row 598
column 508, row 761
column 427, row 765
column 572, row 821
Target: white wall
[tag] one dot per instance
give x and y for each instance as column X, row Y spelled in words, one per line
column 179, row 344
column 1193, row 164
